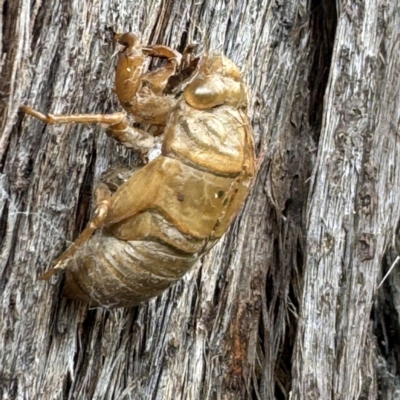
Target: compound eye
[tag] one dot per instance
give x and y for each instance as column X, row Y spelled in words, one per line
column 205, row 92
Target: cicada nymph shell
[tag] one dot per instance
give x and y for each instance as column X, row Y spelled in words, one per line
column 150, row 230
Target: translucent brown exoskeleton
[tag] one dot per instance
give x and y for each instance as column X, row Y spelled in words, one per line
column 148, row 231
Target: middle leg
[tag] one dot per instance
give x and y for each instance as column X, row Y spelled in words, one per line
column 117, row 124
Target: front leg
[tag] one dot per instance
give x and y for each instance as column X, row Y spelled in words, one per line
column 141, row 92
column 157, row 80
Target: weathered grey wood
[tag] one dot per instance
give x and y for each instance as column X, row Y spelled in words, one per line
column 354, row 206
column 201, row 339
column 228, row 330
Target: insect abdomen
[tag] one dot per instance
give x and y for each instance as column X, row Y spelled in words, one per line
column 110, row 272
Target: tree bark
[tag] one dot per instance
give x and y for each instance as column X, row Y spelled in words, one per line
column 286, row 306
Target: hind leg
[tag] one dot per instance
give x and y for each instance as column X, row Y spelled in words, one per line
column 109, row 183
column 103, row 201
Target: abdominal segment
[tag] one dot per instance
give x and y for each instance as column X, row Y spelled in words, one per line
column 111, row 272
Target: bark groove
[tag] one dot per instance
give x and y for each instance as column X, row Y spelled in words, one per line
column 285, row 306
